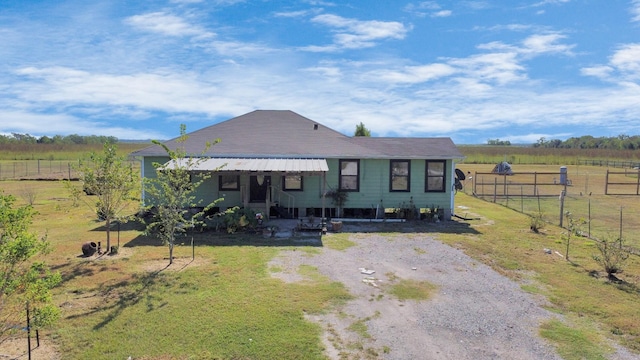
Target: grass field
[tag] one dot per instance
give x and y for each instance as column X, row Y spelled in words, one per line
column 223, row 303
column 475, row 154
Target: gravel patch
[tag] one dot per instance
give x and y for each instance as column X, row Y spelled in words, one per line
column 475, row 313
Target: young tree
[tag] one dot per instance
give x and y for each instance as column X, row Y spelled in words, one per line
column 22, row 280
column 612, row 256
column 361, row 130
column 112, row 180
column 574, row 229
column 172, row 193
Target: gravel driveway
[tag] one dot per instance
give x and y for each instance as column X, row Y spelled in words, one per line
column 475, row 313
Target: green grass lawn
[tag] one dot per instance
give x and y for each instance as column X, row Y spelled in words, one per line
column 224, row 303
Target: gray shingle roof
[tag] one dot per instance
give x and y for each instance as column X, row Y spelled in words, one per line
column 285, row 134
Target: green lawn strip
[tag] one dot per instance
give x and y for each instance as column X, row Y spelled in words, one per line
column 338, row 241
column 574, row 342
column 406, row 289
column 230, row 309
column 505, row 243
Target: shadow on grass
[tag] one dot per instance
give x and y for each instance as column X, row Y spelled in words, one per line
column 119, row 226
column 72, row 270
column 287, row 235
column 213, row 238
column 129, row 293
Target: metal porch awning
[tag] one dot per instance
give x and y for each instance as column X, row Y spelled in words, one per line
column 289, row 165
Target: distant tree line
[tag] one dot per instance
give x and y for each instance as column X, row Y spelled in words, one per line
column 620, row 142
column 16, row 138
column 498, row 142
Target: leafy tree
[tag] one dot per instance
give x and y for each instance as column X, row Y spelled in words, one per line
column 361, row 130
column 172, row 193
column 612, row 256
column 22, row 280
column 112, row 180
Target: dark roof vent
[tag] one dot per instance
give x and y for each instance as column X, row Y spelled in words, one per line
column 315, row 126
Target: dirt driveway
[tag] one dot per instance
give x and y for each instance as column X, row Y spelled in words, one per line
column 475, row 312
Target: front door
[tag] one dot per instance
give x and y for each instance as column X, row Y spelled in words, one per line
column 258, row 187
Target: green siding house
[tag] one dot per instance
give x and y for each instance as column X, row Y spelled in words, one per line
column 281, row 163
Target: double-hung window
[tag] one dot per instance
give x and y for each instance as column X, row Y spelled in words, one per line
column 399, row 173
column 349, row 175
column 435, row 176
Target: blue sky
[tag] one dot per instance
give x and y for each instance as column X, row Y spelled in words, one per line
column 470, row 70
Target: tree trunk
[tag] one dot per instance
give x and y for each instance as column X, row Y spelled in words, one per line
column 108, row 225
column 171, row 252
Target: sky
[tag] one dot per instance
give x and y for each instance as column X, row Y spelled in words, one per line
column 513, row 70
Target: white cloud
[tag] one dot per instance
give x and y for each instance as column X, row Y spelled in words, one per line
column 627, row 60
column 545, row 43
column 533, row 45
column 550, row 2
column 35, row 124
column 442, row 13
column 635, row 10
column 501, row 68
column 296, row 14
column 623, row 66
column 330, row 72
column 602, row 72
column 413, row 74
column 356, row 34
column 427, row 8
column 166, row 24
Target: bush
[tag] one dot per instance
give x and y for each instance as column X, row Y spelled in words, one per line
column 233, row 220
column 536, row 222
column 612, row 256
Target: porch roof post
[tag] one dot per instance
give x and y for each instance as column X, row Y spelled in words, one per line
column 324, row 186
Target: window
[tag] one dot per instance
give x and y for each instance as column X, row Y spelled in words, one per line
column 229, row 182
column 399, row 175
column 349, row 175
column 435, row 175
column 292, row 183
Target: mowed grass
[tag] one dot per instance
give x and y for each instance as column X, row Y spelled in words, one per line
column 222, row 303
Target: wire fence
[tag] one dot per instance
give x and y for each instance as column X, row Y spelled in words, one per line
column 44, row 169
column 38, row 169
column 585, row 195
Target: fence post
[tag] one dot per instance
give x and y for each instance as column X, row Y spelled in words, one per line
column 606, row 183
column 561, row 205
column 589, row 223
column 495, row 188
column 638, row 184
column 506, row 192
column 504, row 185
column 620, row 238
column 475, row 181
